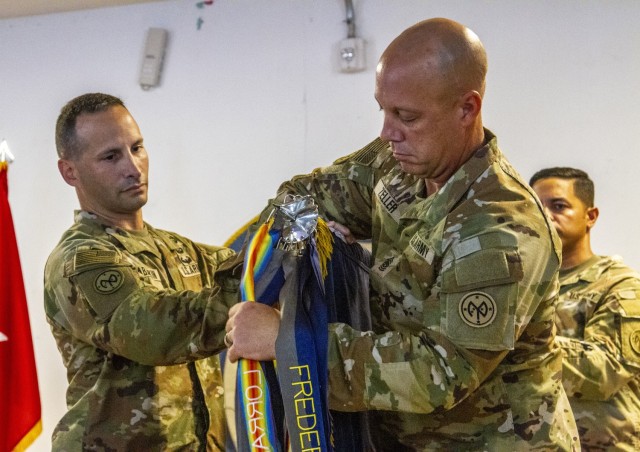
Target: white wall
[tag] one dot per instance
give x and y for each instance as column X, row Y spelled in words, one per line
column 253, row 98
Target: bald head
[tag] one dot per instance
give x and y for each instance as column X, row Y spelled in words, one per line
column 444, row 51
column 430, row 87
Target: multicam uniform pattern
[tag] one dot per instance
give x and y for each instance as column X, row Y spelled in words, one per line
column 137, row 334
column 463, row 294
column 598, row 321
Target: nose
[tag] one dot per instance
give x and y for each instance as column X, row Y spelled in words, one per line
column 133, row 164
column 389, row 132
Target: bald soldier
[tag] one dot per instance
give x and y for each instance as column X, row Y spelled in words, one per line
column 598, row 318
column 463, row 286
column 137, row 312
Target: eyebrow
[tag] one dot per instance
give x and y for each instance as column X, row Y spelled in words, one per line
column 108, row 150
column 559, row 198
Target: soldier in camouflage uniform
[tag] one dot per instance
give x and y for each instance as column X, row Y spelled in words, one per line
column 463, row 287
column 598, row 319
column 137, row 312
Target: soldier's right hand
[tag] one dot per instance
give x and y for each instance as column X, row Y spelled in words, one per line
column 252, row 329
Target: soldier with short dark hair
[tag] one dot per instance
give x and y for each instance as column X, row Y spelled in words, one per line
column 137, row 312
column 463, row 285
column 598, row 318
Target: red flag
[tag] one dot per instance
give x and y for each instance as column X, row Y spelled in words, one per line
column 19, row 396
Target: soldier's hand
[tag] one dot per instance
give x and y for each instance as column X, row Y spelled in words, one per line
column 342, row 231
column 252, row 329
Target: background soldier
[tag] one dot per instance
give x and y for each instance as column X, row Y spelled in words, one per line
column 598, row 318
column 137, row 312
column 463, row 286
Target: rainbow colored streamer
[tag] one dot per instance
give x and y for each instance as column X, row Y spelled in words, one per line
column 257, row 257
column 254, row 398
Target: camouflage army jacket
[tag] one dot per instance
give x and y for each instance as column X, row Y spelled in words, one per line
column 463, row 290
column 137, row 331
column 598, row 321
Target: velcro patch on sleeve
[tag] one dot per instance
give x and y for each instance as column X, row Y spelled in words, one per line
column 367, row 155
column 484, row 266
column 629, row 300
column 86, row 259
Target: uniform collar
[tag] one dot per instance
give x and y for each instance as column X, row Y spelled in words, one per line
column 133, row 241
column 589, row 271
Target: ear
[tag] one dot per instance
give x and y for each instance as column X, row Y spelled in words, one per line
column 471, row 104
column 592, row 216
column 68, row 171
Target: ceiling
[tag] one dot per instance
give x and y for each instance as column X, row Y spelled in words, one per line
column 18, row 8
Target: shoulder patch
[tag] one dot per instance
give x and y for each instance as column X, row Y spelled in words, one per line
column 481, row 319
column 630, row 329
column 108, row 281
column 634, row 341
column 105, row 288
column 477, row 309
column 630, row 334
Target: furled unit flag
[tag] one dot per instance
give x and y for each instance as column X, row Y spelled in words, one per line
column 19, row 396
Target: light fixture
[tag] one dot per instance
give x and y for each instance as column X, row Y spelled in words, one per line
column 351, row 55
column 153, row 59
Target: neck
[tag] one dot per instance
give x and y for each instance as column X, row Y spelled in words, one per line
column 132, row 224
column 128, row 222
column 432, row 186
column 474, row 140
column 574, row 256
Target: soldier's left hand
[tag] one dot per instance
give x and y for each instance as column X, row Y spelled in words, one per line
column 342, row 231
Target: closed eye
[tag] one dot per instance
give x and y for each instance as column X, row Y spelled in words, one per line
column 406, row 116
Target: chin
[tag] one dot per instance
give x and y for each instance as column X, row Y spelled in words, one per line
column 138, row 203
column 412, row 170
column 407, row 167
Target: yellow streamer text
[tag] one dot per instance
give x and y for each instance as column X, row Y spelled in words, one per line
column 305, row 410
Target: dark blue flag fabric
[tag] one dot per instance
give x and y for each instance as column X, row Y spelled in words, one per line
column 323, row 282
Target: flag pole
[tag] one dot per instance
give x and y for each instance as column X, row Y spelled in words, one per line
column 5, row 154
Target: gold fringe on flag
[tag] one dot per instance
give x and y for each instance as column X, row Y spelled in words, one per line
column 324, row 245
